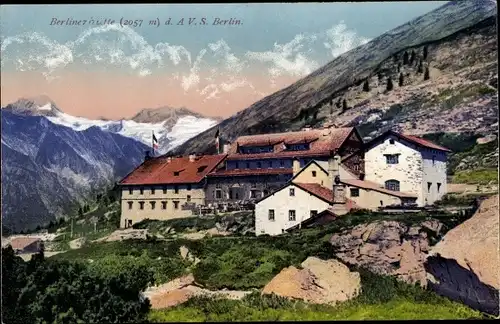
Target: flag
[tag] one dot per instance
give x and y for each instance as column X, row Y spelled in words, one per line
column 155, row 142
column 217, row 142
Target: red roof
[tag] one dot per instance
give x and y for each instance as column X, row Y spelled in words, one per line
column 250, row 172
column 20, row 243
column 376, row 187
column 323, row 193
column 322, row 141
column 178, row 170
column 317, row 190
column 423, row 142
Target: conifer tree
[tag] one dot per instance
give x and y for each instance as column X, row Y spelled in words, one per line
column 427, row 74
column 379, row 75
column 426, row 52
column 405, row 58
column 412, row 57
column 344, row 105
column 366, row 86
column 389, row 84
column 401, row 79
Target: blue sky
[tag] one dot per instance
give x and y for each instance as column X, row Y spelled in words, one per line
column 263, row 24
column 206, row 68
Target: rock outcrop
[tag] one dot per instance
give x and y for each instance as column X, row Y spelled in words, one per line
column 465, row 264
column 320, row 282
column 387, row 247
column 181, row 290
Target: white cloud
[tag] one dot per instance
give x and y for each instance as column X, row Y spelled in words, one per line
column 339, row 39
column 215, row 70
column 289, row 58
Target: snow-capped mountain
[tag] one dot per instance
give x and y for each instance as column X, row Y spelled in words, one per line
column 171, row 126
column 47, row 167
column 168, row 136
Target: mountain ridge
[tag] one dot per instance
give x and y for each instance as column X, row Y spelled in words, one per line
column 281, row 110
column 48, row 168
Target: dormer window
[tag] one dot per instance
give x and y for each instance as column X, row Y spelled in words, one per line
column 176, row 173
column 391, row 141
column 201, row 168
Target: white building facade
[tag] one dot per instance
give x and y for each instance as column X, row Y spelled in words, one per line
column 408, row 164
column 285, row 208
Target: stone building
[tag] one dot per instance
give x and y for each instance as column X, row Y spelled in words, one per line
column 408, row 164
column 261, row 164
column 163, row 188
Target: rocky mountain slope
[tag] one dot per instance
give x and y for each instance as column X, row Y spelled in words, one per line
column 46, row 167
column 442, row 67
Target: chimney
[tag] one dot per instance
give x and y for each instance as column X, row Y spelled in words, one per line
column 296, row 166
column 362, row 176
column 334, row 175
column 169, row 159
column 192, row 157
column 147, row 156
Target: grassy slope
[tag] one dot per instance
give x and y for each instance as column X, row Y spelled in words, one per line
column 251, row 262
column 470, row 162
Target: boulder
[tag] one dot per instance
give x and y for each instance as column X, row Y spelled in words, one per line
column 465, row 264
column 388, row 248
column 320, row 282
column 182, row 289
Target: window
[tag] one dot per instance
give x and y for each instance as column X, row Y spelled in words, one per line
column 429, row 185
column 176, row 173
column 259, row 165
column 141, row 191
column 188, row 198
column 438, row 186
column 253, row 193
column 292, row 192
column 176, row 205
column 164, row 190
column 153, row 204
column 282, row 163
column 248, row 165
column 201, row 168
column 253, row 185
column 291, row 215
column 129, row 222
column 188, row 187
column 392, row 158
column 141, row 204
column 266, row 192
column 218, row 194
column 391, row 141
column 433, row 160
column 130, row 191
column 314, row 174
column 237, row 165
column 314, row 213
column 152, row 191
column 163, row 205
column 176, row 189
column 130, row 203
column 392, row 185
column 271, row 215
column 218, row 185
column 354, row 192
